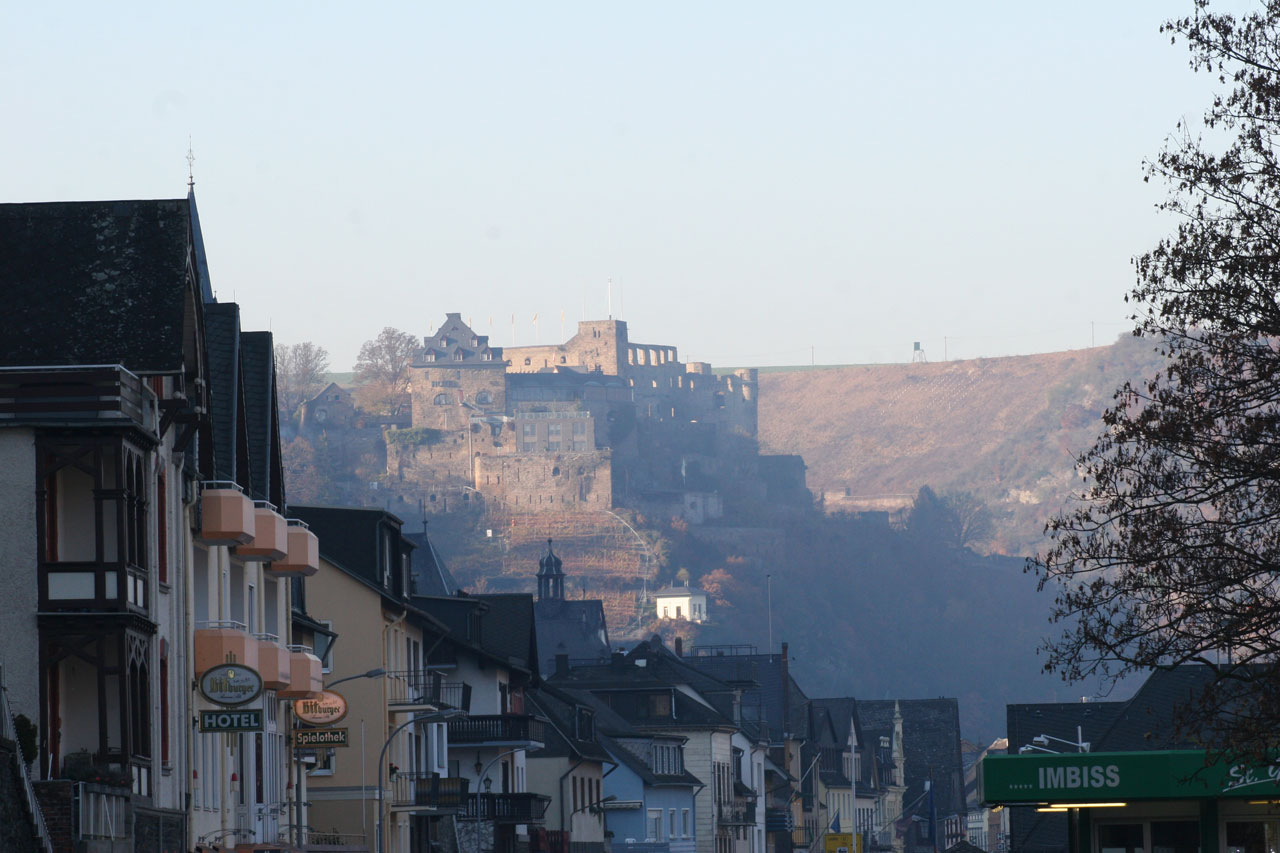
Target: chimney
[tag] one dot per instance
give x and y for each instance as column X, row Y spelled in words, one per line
column 617, row 661
column 679, row 647
column 786, row 692
column 562, row 666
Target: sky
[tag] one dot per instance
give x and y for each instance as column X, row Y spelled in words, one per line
column 763, row 183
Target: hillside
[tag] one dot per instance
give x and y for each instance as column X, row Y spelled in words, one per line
column 1005, row 429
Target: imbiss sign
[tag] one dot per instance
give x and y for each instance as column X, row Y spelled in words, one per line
column 324, row 710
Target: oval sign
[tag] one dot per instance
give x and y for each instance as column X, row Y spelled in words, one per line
column 324, row 710
column 231, row 684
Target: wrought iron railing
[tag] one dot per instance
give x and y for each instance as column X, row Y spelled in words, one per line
column 425, row 789
column 496, row 728
column 422, row 687
column 8, row 730
column 505, row 808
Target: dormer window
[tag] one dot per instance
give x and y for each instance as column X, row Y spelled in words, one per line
column 431, row 356
column 458, row 355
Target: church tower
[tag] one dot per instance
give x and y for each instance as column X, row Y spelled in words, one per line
column 550, row 576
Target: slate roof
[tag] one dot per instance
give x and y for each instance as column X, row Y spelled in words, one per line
column 930, row 743
column 452, row 344
column 430, row 574
column 257, row 357
column 226, row 395
column 561, row 737
column 508, row 632
column 101, row 282
column 763, row 701
column 573, row 627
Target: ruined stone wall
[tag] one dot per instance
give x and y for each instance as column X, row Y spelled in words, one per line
column 597, row 345
column 547, row 482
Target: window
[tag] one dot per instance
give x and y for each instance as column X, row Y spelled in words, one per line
column 671, row 827
column 579, row 428
column 484, row 398
column 684, row 823
column 653, row 828
column 553, row 445
column 530, row 431
column 440, row 400
column 554, row 429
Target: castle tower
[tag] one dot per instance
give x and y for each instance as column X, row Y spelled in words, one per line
column 550, row 576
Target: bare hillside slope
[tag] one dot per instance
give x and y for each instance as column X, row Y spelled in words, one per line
column 1006, row 429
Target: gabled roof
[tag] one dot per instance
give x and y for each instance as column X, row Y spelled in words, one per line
column 97, row 282
column 431, row 576
column 455, row 343
column 226, row 394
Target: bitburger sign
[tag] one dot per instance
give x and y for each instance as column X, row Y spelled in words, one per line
column 324, row 710
column 231, row 684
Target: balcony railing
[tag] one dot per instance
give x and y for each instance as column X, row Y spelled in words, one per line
column 496, row 730
column 424, row 789
column 740, row 812
column 506, row 808
column 414, row 688
column 88, row 393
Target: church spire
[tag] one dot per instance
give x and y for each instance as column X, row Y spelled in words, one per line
column 550, row 576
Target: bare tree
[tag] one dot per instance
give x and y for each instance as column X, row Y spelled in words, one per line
column 1173, row 553
column 386, row 359
column 300, row 373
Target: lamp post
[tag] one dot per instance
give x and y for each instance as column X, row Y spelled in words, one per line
column 434, row 716
column 297, row 765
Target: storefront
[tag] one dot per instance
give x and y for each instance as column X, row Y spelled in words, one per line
column 1143, row 802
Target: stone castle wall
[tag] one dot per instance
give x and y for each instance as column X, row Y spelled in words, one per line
column 598, row 345
column 446, row 397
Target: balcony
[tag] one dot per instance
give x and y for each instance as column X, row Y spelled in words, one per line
column 273, row 662
column 305, row 676
column 303, row 556
column 512, row 730
column 420, row 690
column 426, row 792
column 505, row 808
column 224, row 642
column 270, row 535
column 97, row 395
column 226, row 515
column 740, row 812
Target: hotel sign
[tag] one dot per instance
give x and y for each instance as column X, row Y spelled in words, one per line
column 324, row 710
column 231, row 684
column 231, row 721
column 1121, row 776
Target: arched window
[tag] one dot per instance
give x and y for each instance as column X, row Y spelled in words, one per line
column 441, row 400
column 528, row 361
column 484, row 398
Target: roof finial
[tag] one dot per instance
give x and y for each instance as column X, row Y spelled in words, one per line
column 191, row 164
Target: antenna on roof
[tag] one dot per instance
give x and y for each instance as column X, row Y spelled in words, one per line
column 191, row 164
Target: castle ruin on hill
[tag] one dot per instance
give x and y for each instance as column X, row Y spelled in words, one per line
column 596, row 422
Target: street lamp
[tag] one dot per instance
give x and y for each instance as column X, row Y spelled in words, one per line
column 297, row 784
column 434, row 716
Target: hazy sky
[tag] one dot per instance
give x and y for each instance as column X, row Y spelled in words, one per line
column 757, row 178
